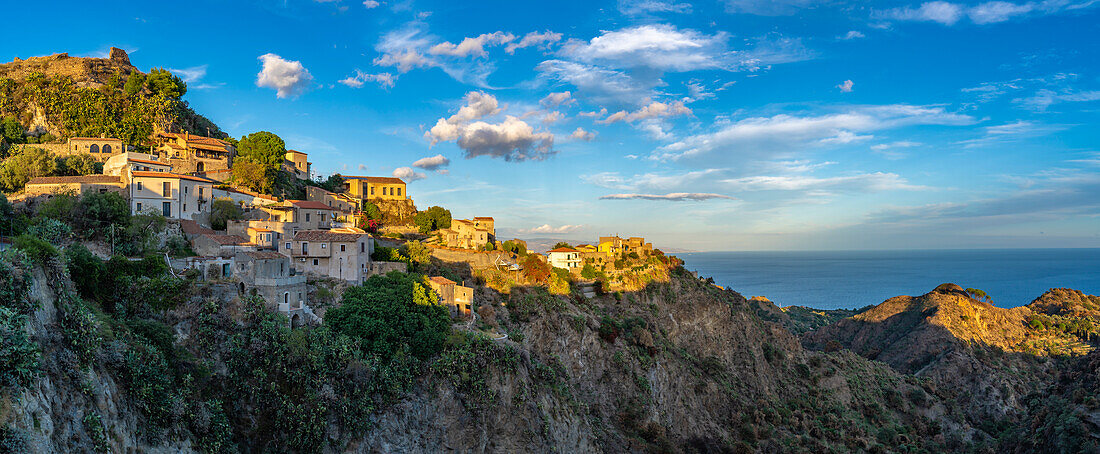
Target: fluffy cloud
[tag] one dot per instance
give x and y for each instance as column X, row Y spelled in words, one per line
column 408, row 174
column 412, row 47
column 785, row 133
column 938, row 11
column 543, row 39
column 189, row 75
column 512, row 139
column 647, row 7
column 472, row 46
column 654, row 110
column 547, row 228
column 581, row 134
column 552, row 117
column 846, row 86
column 436, row 162
column 600, row 85
column 371, row 4
column 357, row 80
column 670, row 197
column 557, row 99
column 655, row 46
column 852, row 34
column 288, row 78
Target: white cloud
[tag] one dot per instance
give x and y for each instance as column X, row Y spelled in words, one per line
column 852, row 34
column 471, row 46
column 892, row 151
column 993, row 12
column 655, row 46
column 1010, row 132
column 646, row 7
column 357, row 80
column 553, row 117
column 437, row 162
column 557, row 99
column 600, row 85
column 547, row 228
column 785, row 133
column 581, row 134
column 371, row 4
column 189, row 75
column 769, row 7
column 868, row 182
column 990, row 12
column 651, row 181
column 408, row 174
column 937, row 11
column 846, row 86
column 288, row 78
column 543, row 39
column 512, row 139
column 1044, row 98
column 652, row 111
column 671, row 197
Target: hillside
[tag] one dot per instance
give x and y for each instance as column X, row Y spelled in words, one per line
column 59, row 96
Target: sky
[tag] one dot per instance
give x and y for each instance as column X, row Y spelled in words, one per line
column 715, row 125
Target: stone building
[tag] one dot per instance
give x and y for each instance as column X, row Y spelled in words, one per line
column 221, row 245
column 469, row 234
column 614, row 246
column 188, row 153
column 100, row 148
column 367, row 188
column 297, row 163
column 340, row 255
column 270, row 276
column 341, row 202
column 77, row 184
column 458, row 299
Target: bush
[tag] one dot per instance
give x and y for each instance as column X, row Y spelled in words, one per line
column 390, row 314
column 52, row 230
column 419, row 255
column 222, row 211
column 535, row 269
column 18, row 353
column 37, row 249
column 434, row 218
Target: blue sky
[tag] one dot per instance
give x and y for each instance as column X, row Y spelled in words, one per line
column 719, row 125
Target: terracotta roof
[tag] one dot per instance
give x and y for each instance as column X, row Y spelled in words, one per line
column 383, row 180
column 484, row 217
column 563, row 249
column 96, row 138
column 227, row 240
column 325, row 235
column 194, row 138
column 145, row 161
column 207, row 146
column 260, row 229
column 171, row 175
column 311, row 204
column 193, row 228
column 76, row 179
column 264, row 255
column 441, row 280
column 295, row 152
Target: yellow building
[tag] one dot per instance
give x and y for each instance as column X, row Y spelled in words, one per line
column 297, row 163
column 385, row 188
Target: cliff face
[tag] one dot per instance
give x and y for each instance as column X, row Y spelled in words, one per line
column 87, row 72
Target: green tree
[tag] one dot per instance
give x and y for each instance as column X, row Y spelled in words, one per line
column 162, row 82
column 36, row 248
column 12, row 131
column 134, row 84
column 252, row 175
column 589, row 271
column 979, row 294
column 222, row 211
column 514, row 247
column 334, row 183
column 535, row 269
column 371, row 211
column 88, row 272
column 102, row 213
column 560, row 244
column 434, row 218
column 62, row 207
column 418, row 254
column 18, row 169
column 391, row 314
column 78, row 164
column 263, row 148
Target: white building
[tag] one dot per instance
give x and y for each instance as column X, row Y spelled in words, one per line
column 173, row 195
column 564, row 257
column 118, row 164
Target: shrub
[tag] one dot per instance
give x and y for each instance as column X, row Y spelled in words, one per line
column 609, row 329
column 222, row 211
column 52, row 230
column 434, row 218
column 18, row 353
column 37, row 249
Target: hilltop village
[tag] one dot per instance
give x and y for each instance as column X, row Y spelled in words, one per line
column 346, row 229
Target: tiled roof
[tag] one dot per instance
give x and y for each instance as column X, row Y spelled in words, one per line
column 227, row 240
column 325, row 235
column 264, row 255
column 145, row 161
column 295, row 152
column 260, row 229
column 193, row 228
column 382, row 180
column 207, row 146
column 76, row 179
column 311, row 204
column 98, row 139
column 563, row 249
column 171, row 175
column 441, row 280
column 484, row 218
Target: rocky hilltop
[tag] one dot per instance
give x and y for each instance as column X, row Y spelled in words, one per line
column 87, row 72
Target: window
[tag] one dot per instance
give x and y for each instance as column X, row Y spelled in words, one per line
column 322, row 217
column 314, row 262
column 166, row 209
column 398, row 191
column 305, row 248
column 186, row 189
column 167, row 188
column 185, row 207
column 288, row 246
column 323, row 245
column 282, row 267
column 342, row 248
column 362, row 247
column 307, row 217
column 200, row 191
column 138, row 207
column 106, row 148
column 139, row 185
column 372, row 190
column 94, row 148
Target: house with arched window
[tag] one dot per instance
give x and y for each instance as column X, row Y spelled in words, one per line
column 100, row 148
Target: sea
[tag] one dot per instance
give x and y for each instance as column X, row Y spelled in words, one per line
column 853, row 279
